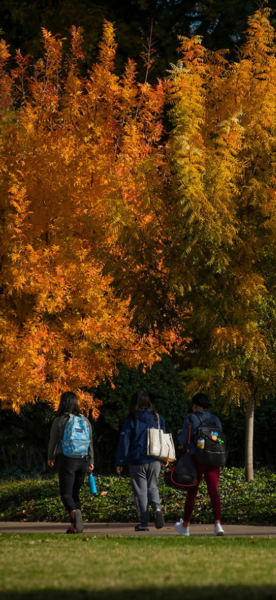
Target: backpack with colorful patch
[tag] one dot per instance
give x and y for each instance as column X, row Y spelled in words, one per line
column 76, row 437
column 210, row 444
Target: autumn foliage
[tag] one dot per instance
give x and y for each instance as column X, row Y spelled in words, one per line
column 114, row 230
column 77, row 155
column 223, row 152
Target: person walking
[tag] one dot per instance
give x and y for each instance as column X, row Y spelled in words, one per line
column 72, row 470
column 200, row 405
column 144, row 470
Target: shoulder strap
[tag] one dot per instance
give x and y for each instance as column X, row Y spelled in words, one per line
column 188, row 447
column 68, row 418
column 211, row 422
column 158, row 420
column 203, row 421
column 200, row 419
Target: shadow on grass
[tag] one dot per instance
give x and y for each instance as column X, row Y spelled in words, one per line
column 157, row 593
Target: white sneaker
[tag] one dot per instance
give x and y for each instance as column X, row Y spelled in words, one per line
column 180, row 529
column 218, row 529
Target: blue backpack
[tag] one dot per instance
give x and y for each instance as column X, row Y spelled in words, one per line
column 76, row 437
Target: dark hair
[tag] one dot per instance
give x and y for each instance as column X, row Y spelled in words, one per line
column 68, row 404
column 140, row 401
column 201, row 400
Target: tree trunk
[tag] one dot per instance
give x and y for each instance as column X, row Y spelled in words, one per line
column 249, row 471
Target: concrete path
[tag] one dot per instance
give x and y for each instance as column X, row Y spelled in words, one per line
column 128, row 529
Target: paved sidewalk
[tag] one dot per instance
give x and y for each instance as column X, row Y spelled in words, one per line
column 128, row 529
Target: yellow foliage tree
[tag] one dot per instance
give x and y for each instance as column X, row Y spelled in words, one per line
column 222, row 151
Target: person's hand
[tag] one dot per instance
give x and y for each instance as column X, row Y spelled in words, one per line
column 51, row 463
column 119, row 470
column 90, row 468
column 164, row 463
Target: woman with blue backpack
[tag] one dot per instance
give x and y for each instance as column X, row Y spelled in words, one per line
column 144, row 469
column 201, row 416
column 71, row 443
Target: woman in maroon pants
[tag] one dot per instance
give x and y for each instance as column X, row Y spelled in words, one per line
column 200, row 405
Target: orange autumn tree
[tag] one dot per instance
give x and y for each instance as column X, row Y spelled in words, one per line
column 73, row 157
column 222, row 154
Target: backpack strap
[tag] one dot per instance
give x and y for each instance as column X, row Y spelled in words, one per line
column 202, row 421
column 188, row 446
column 60, row 425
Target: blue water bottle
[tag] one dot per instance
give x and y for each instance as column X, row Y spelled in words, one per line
column 92, row 484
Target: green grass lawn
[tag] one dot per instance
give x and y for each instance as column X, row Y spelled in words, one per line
column 55, row 566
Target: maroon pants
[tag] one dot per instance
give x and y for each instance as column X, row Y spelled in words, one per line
column 211, row 475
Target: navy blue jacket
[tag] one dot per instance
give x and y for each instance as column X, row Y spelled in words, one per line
column 133, row 439
column 207, row 419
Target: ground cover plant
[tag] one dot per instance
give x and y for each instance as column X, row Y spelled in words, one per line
column 38, row 499
column 112, row 567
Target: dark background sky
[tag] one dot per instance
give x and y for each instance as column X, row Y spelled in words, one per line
column 220, row 22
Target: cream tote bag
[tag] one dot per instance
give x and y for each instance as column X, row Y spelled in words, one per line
column 160, row 444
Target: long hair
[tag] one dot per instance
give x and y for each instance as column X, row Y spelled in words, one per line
column 68, row 404
column 140, row 401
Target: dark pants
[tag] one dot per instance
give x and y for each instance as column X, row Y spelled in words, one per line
column 211, row 475
column 72, row 473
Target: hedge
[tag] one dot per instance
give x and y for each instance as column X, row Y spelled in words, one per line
column 38, row 499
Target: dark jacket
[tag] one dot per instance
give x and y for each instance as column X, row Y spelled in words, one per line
column 207, row 419
column 56, row 435
column 133, row 439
